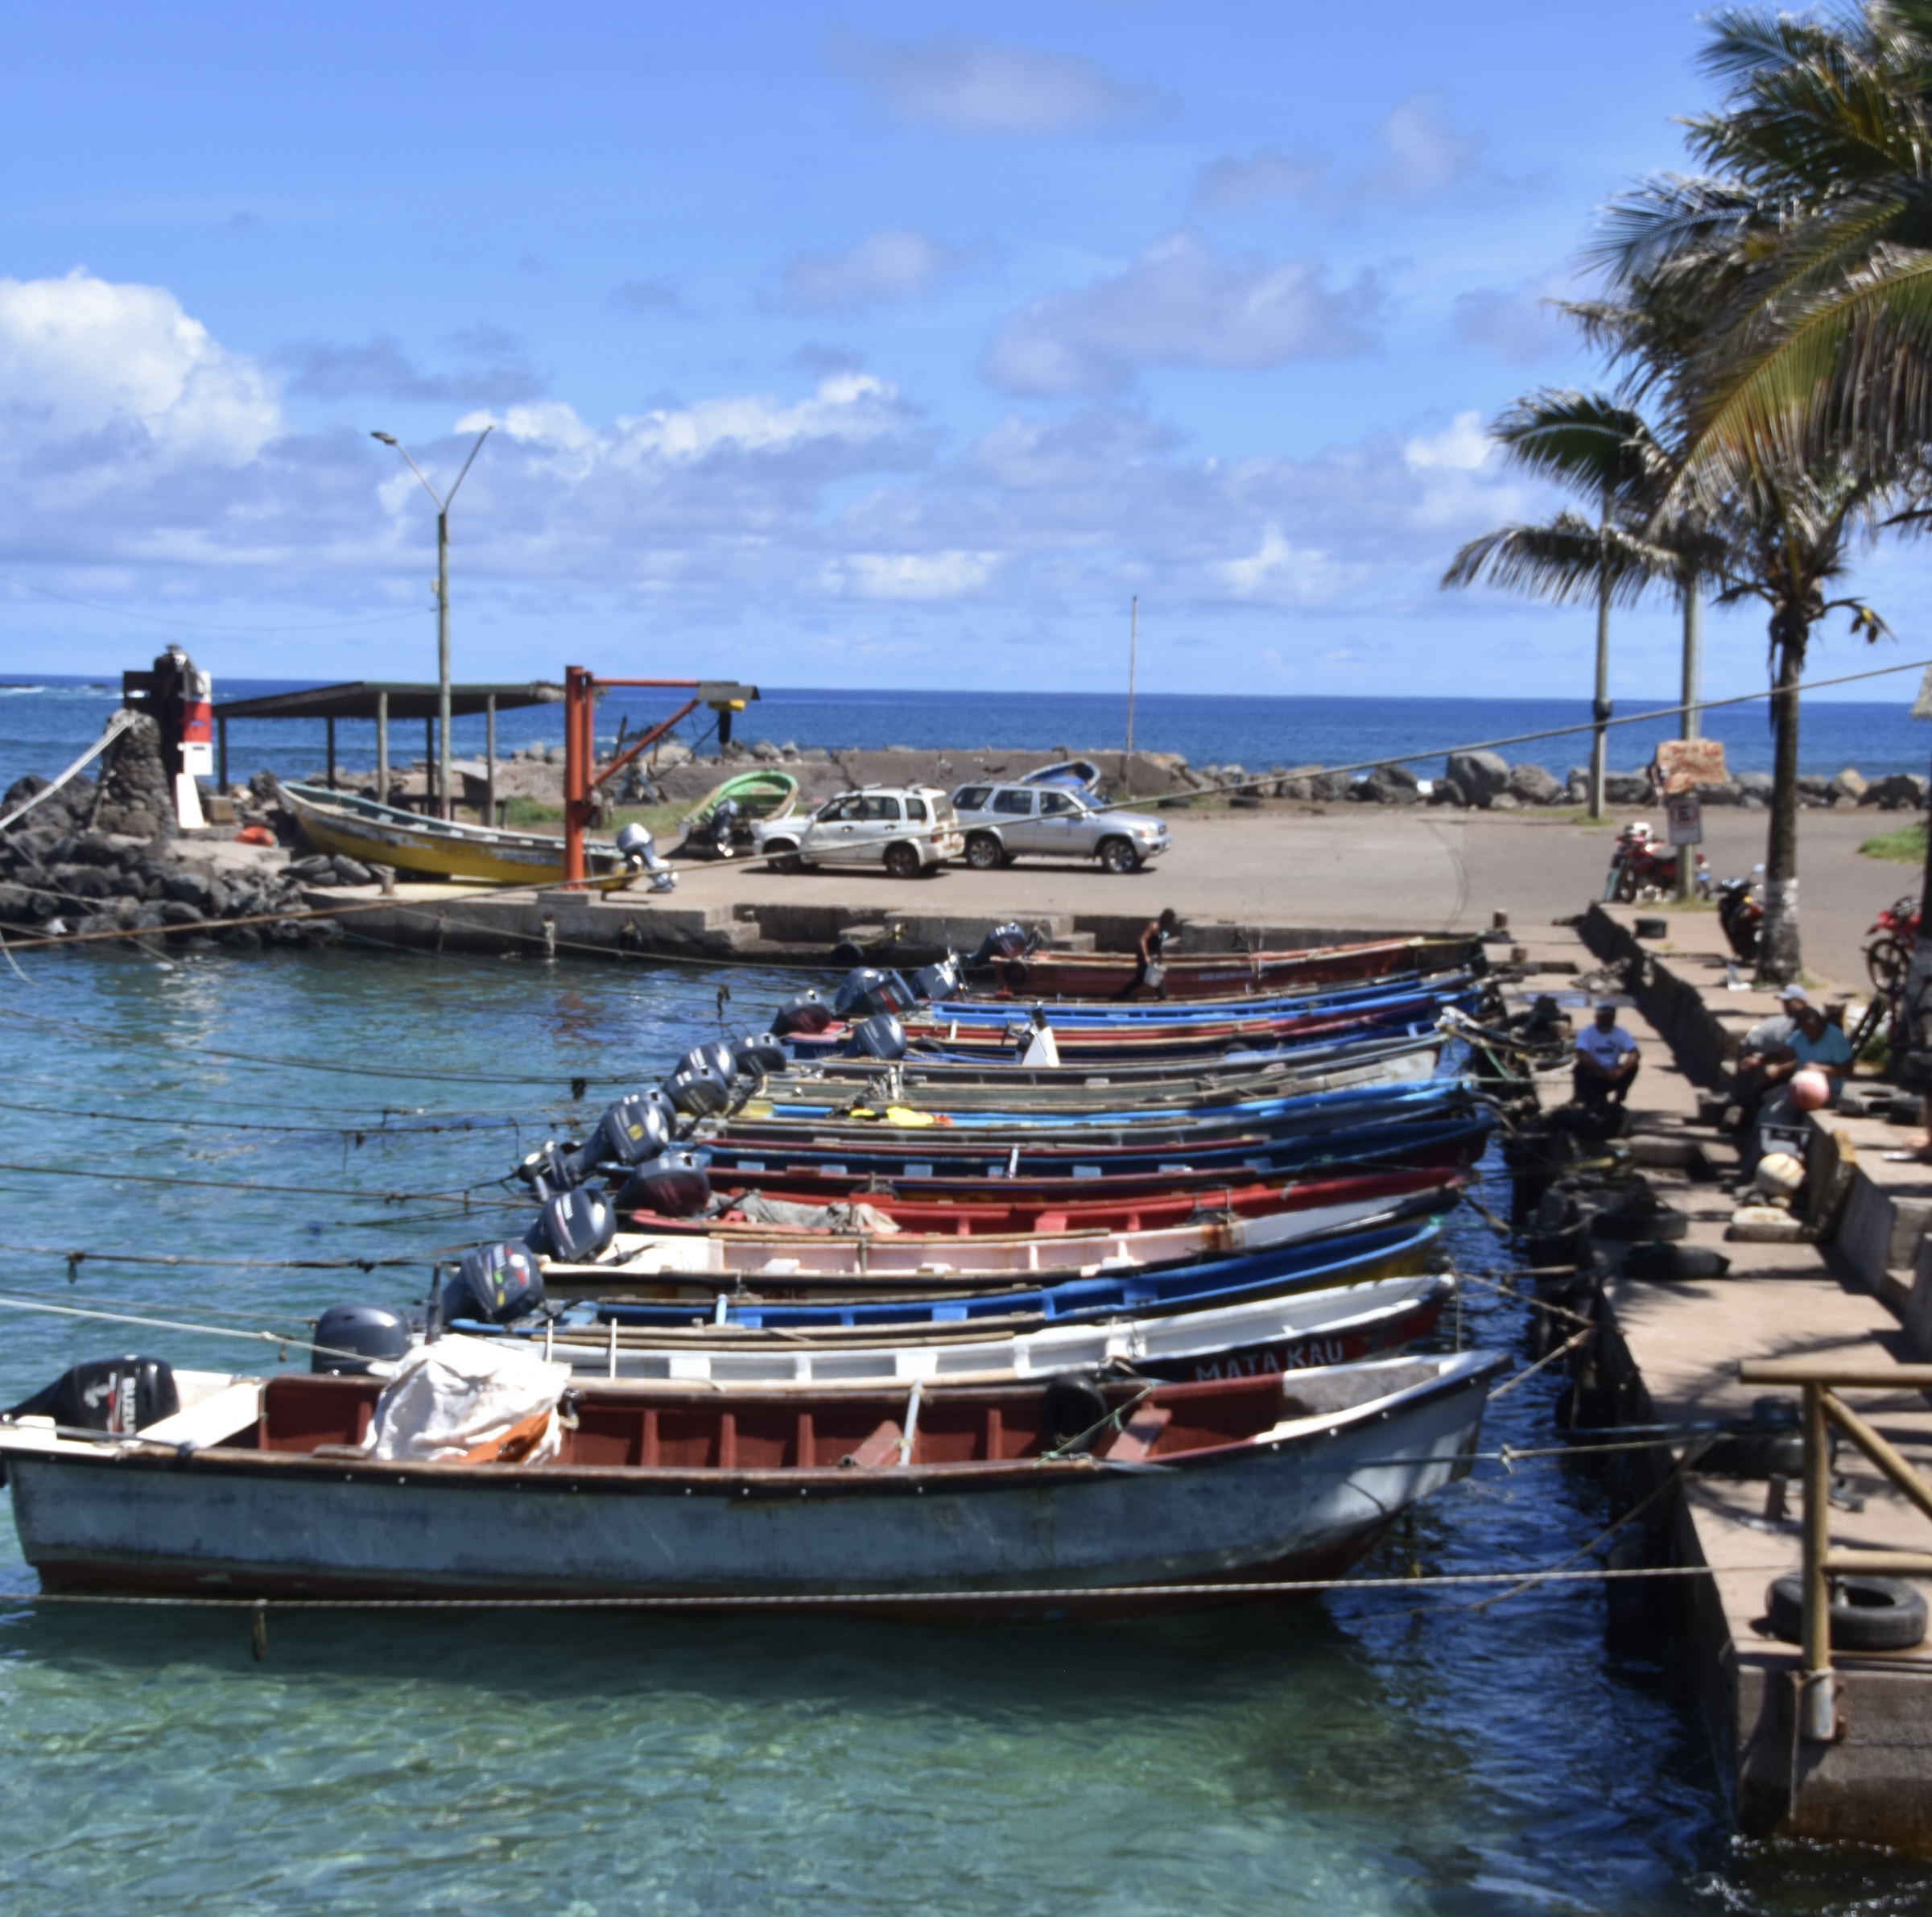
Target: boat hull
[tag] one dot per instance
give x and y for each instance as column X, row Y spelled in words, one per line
column 240, row 1524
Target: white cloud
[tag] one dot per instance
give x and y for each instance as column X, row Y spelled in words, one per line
column 1420, row 154
column 895, row 263
column 83, row 356
column 977, row 86
column 1462, row 446
column 1181, row 304
column 954, row 574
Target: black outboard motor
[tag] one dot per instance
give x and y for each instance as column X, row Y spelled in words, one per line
column 714, row 1055
column 934, row 982
column 674, row 1185
column 574, row 1228
column 113, row 1394
column 554, row 1168
column 351, row 1339
column 868, row 990
column 805, row 1012
column 700, row 1093
column 499, row 1283
column 637, row 1127
column 1003, row 942
column 881, row 1036
column 765, row 1054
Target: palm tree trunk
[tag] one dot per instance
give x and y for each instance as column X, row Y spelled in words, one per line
column 1778, row 955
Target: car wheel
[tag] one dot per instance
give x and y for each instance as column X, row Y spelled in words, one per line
column 786, row 860
column 902, row 861
column 1119, row 855
column 983, row 852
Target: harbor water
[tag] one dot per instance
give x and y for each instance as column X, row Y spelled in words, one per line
column 1404, row 1751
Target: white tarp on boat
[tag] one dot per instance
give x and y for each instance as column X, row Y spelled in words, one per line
column 447, row 1399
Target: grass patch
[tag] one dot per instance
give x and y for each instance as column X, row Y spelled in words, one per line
column 1905, row 847
column 533, row 813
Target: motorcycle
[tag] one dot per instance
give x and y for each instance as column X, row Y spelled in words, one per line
column 1740, row 914
column 1892, row 934
column 1641, row 862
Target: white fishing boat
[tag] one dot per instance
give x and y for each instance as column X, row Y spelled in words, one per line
column 1016, row 1498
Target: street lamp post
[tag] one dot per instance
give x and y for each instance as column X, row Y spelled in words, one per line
column 444, row 808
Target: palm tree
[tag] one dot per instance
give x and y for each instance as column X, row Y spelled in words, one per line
column 1593, row 444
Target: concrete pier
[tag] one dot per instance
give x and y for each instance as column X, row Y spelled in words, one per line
column 1669, row 1353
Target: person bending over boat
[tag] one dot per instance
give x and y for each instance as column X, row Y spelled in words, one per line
column 1152, row 943
column 1606, row 1059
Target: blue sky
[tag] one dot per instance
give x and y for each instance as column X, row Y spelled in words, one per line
column 824, row 344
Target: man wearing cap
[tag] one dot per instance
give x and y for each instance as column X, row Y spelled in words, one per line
column 1816, row 1041
column 1765, row 1062
column 1606, row 1059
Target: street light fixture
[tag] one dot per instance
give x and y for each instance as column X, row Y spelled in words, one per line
column 444, row 808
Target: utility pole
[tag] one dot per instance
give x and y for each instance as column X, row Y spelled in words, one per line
column 444, row 808
column 1134, row 641
column 1599, row 745
column 1687, row 725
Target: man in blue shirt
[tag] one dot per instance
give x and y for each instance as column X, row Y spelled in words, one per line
column 1816, row 1041
column 1606, row 1059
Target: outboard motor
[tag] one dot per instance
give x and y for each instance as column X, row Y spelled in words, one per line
column 700, row 1093
column 554, row 1168
column 806, row 1012
column 935, row 982
column 112, row 1394
column 714, row 1055
column 639, row 851
column 674, row 1185
column 881, row 1036
column 765, row 1054
column 351, row 1340
column 1003, row 942
column 634, row 1129
column 868, row 989
column 574, row 1228
column 499, row 1282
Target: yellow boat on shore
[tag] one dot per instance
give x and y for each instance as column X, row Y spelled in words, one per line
column 386, row 835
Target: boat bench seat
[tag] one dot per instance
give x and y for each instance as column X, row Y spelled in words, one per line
column 1140, row 1434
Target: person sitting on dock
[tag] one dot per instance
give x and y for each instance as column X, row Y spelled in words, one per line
column 1607, row 1060
column 1766, row 1060
column 1153, row 941
column 1818, row 1043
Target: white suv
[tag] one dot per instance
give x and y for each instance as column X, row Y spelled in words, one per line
column 907, row 829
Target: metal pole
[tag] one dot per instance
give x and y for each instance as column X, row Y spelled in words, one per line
column 429, row 766
column 443, row 807
column 1599, row 745
column 328, row 751
column 1134, row 646
column 577, row 685
column 1694, row 644
column 1818, row 1715
column 383, row 748
column 489, row 758
column 222, row 753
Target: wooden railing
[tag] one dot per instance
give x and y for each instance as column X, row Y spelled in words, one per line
column 1821, row 1382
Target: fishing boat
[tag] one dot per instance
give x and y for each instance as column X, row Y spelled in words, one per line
column 1055, row 975
column 375, row 834
column 1023, row 1497
column 727, row 1252
column 1339, row 1326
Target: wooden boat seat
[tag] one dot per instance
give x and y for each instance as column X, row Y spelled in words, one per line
column 1140, row 1434
column 880, row 1448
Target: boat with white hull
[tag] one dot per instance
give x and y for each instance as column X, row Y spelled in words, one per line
column 759, row 1498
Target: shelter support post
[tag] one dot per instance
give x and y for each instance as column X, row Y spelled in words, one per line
column 489, row 759
column 429, row 767
column 328, row 752
column 580, row 700
column 221, row 752
column 383, row 748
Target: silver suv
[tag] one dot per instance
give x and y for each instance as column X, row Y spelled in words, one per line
column 907, row 829
column 1003, row 823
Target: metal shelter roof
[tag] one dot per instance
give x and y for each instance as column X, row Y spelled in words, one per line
column 356, row 699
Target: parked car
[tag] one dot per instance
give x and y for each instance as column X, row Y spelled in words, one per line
column 1002, row 823
column 907, row 829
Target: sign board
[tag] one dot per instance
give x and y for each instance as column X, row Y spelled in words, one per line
column 1689, row 763
column 1687, row 812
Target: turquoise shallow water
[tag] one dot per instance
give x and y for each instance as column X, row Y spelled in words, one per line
column 1368, row 1754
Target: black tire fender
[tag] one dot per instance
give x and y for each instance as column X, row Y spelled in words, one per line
column 1868, row 1614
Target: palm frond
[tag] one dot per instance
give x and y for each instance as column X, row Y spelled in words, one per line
column 1564, row 560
